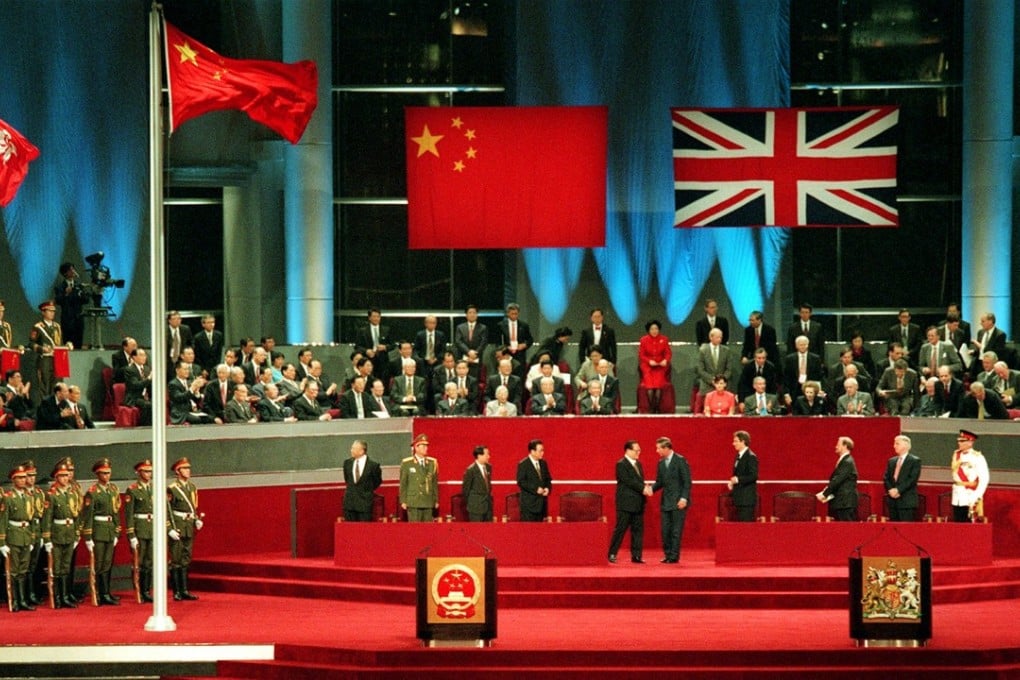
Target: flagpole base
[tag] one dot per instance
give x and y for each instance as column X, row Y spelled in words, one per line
column 160, row 624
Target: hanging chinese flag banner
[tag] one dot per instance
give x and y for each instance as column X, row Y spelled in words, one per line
column 506, row 177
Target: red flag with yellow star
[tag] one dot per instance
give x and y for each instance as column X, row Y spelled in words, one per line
column 506, row 177
column 280, row 96
column 16, row 153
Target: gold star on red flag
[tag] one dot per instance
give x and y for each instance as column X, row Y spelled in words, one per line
column 427, row 142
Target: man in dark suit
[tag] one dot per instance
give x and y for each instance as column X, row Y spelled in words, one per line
column 217, row 393
column 354, row 402
column 378, row 401
column 548, row 402
column 948, row 392
column 17, row 396
column 554, row 346
column 178, row 336
column 901, row 475
column 185, row 396
column 306, row 407
column 362, row 476
column 505, row 376
column 453, row 405
column 477, row 487
column 408, row 392
column 759, row 335
column 909, row 335
column 79, row 418
column 743, row 485
column 429, row 345
column 53, row 411
column 673, row 476
column 841, row 492
column 470, row 338
column 759, row 367
column 535, row 482
column 597, row 334
column 631, row 494
column 373, row 341
column 954, row 314
column 405, row 353
column 122, row 359
column 239, row 408
column 982, row 403
column 208, row 345
column 271, row 408
column 808, row 327
column 799, row 367
column 138, row 386
column 711, row 320
column 516, row 335
column 593, row 403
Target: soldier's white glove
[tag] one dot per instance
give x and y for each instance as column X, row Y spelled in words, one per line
column 114, row 541
column 198, row 524
column 49, row 547
column 174, row 535
column 90, row 544
column 134, row 543
column 40, row 543
column 76, row 542
column 5, row 550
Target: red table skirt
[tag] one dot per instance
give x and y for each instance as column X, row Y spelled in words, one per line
column 830, row 543
column 382, row 544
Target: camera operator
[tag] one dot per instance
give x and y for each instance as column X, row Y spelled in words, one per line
column 71, row 296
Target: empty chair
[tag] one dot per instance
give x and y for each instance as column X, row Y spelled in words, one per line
column 793, row 506
column 581, row 506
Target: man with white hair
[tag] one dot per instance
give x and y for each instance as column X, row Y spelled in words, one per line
column 1005, row 382
column 854, row 402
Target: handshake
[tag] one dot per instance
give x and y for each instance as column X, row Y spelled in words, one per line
column 648, row 489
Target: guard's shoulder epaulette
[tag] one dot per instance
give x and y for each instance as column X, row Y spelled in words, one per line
column 114, row 487
column 94, row 488
column 408, row 459
column 53, row 490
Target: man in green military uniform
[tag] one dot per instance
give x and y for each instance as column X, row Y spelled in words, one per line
column 35, row 580
column 101, row 528
column 74, row 488
column 182, row 499
column 138, row 519
column 60, row 533
column 419, row 482
column 16, row 514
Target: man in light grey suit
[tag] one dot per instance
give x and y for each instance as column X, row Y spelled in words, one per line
column 898, row 387
column 714, row 358
column 854, row 403
column 935, row 353
column 760, row 402
column 1005, row 382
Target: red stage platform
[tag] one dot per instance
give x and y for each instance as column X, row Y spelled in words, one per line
column 513, row 543
column 830, row 543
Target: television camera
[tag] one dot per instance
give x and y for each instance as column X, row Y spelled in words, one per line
column 99, row 279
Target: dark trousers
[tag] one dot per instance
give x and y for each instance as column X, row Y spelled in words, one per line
column 635, row 521
column 845, row 514
column 527, row 516
column 672, row 532
column 961, row 513
column 900, row 514
column 745, row 513
column 357, row 516
column 480, row 517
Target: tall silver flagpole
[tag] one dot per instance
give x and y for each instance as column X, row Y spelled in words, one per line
column 160, row 621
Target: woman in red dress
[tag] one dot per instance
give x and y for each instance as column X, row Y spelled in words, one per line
column 654, row 355
column 719, row 402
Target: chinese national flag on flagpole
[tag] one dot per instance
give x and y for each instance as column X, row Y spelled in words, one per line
column 280, row 96
column 16, row 153
column 506, row 177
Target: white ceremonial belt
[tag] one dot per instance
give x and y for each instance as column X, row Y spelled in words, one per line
column 102, row 518
column 63, row 522
column 143, row 515
column 18, row 524
column 184, row 515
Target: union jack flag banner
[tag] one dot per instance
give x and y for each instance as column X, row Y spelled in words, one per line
column 832, row 167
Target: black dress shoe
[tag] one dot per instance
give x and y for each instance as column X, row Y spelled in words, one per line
column 637, row 560
column 612, row 559
column 666, row 560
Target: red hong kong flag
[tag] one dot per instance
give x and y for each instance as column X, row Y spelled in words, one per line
column 506, row 177
column 280, row 96
column 16, row 153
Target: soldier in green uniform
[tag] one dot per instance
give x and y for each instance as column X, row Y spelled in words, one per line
column 16, row 514
column 60, row 533
column 101, row 527
column 138, row 519
column 74, row 488
column 36, row 577
column 419, row 482
column 182, row 499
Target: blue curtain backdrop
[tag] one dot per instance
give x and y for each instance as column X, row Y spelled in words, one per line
column 640, row 57
column 75, row 84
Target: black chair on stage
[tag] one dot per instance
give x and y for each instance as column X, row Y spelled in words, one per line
column 512, row 512
column 458, row 507
column 864, row 508
column 727, row 512
column 794, row 506
column 581, row 506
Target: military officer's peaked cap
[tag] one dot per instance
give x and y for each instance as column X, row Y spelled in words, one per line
column 18, row 471
column 66, row 460
column 29, row 466
column 102, row 465
column 968, row 435
column 49, row 304
column 60, row 468
column 143, row 465
column 181, row 463
column 421, row 439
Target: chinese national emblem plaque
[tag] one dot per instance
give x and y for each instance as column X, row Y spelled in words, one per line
column 456, row 590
